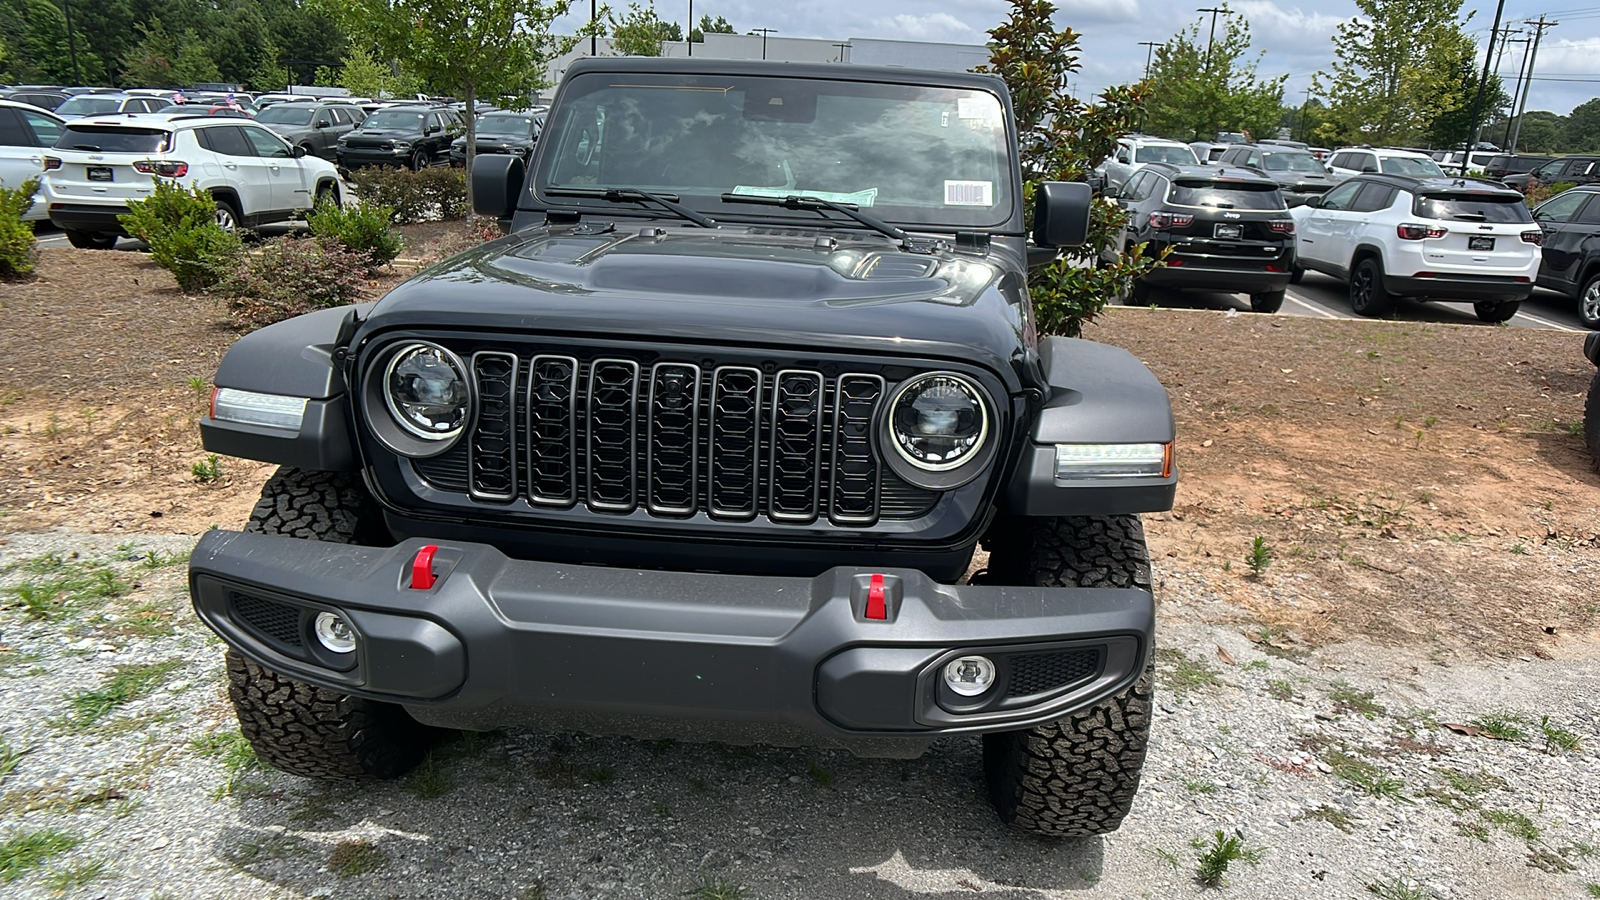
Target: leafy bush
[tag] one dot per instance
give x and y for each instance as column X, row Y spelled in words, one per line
column 291, row 276
column 362, row 229
column 1537, row 193
column 180, row 226
column 18, row 250
column 428, row 195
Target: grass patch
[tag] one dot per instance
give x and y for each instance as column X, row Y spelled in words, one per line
column 818, row 773
column 9, row 757
column 56, row 584
column 1185, row 674
column 430, row 779
column 1366, row 776
column 1512, row 823
column 1347, row 699
column 600, row 775
column 238, row 758
column 1199, row 787
column 1334, row 816
column 1592, row 890
column 1471, row 785
column 712, row 887
column 152, row 619
column 1558, row 740
column 1214, row 859
column 352, row 858
column 75, row 875
column 1502, row 726
column 1397, row 888
column 26, row 850
column 126, row 684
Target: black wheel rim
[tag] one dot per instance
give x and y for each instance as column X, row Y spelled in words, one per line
column 1361, row 288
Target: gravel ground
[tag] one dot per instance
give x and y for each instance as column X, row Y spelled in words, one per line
column 1332, row 765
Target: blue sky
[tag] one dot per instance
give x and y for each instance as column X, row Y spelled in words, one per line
column 1296, row 35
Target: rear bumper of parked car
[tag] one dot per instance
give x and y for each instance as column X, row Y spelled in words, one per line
column 1202, row 266
column 851, row 658
column 88, row 217
column 1447, row 286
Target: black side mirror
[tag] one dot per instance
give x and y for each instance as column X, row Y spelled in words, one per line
column 1313, row 202
column 299, row 151
column 322, row 123
column 1061, row 214
column 496, row 183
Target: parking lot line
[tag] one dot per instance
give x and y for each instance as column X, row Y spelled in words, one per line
column 1545, row 322
column 1316, row 309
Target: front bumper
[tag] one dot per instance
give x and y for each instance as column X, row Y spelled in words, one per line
column 495, row 639
column 354, row 157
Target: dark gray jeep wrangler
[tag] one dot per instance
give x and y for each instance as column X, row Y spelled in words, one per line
column 703, row 448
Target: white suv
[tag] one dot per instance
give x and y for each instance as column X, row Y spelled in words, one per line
column 1133, row 153
column 1352, row 161
column 25, row 131
column 1394, row 236
column 100, row 164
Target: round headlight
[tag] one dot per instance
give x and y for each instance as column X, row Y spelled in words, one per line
column 427, row 392
column 938, row 421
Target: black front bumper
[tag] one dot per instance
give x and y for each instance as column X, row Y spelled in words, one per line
column 87, row 217
column 497, row 640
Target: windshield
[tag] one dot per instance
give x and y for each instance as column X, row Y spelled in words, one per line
column 1225, row 196
column 1410, row 165
column 285, row 115
column 112, row 139
column 393, row 120
column 1472, row 208
column 89, row 105
column 934, row 155
column 518, row 125
column 1178, row 156
column 1281, row 161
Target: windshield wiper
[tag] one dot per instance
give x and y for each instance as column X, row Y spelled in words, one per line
column 801, row 201
column 615, row 195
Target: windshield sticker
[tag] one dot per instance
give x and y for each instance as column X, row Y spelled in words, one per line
column 969, row 193
column 860, row 198
column 977, row 108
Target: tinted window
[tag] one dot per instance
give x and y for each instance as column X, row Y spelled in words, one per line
column 1137, row 186
column 324, row 119
column 1225, row 195
column 1290, row 161
column 11, row 132
column 432, row 123
column 285, row 115
column 226, row 141
column 1472, row 207
column 1407, row 165
column 46, row 129
column 1341, row 196
column 266, row 143
column 1372, row 198
column 89, row 105
column 394, row 120
column 1561, row 207
column 1178, row 156
column 111, row 139
column 503, row 124
column 341, row 115
column 1590, row 214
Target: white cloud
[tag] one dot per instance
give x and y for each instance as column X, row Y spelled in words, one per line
column 931, row 27
column 1277, row 28
column 1076, row 13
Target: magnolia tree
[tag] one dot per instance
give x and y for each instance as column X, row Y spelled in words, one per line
column 1062, row 139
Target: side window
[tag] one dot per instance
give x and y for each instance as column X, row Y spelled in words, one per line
column 1342, row 196
column 1562, row 208
column 1254, row 159
column 1589, row 215
column 265, row 143
column 1340, row 161
column 432, row 123
column 1138, row 187
column 341, row 116
column 45, row 129
column 12, row 133
column 226, row 140
column 324, row 119
column 1372, row 198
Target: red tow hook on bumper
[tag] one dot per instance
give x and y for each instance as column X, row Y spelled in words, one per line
column 422, row 577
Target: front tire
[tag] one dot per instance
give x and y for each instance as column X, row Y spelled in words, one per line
column 227, row 217
column 328, row 192
column 1077, row 776
column 297, row 727
column 90, row 240
column 1267, row 302
column 1589, row 304
column 419, row 161
column 1368, row 297
column 1495, row 313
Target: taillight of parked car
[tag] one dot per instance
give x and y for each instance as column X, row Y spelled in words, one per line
column 1534, row 236
column 1412, row 232
column 52, row 162
column 163, row 167
column 1170, row 220
column 1284, row 227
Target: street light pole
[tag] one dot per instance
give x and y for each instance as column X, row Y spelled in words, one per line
column 842, row 48
column 1483, row 84
column 689, row 32
column 72, row 43
column 1148, row 55
column 1214, row 10
column 764, row 32
column 593, row 35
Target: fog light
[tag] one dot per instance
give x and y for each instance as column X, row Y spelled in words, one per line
column 969, row 676
column 334, row 633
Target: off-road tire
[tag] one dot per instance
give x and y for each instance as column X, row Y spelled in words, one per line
column 1267, row 301
column 90, row 240
column 1077, row 776
column 1496, row 312
column 1591, row 422
column 297, row 727
column 1367, row 294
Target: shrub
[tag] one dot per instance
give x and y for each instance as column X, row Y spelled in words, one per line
column 363, row 229
column 289, row 277
column 431, row 194
column 180, row 226
column 19, row 252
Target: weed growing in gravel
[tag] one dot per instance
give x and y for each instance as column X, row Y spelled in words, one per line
column 1334, row 816
column 126, row 684
column 151, row 619
column 1558, row 740
column 1592, row 889
column 600, row 775
column 1259, row 557
column 9, row 757
column 1473, row 784
column 25, row 850
column 818, row 773
column 533, row 891
column 56, row 583
column 352, row 858
column 75, row 875
column 712, row 887
column 1185, row 674
column 208, row 470
column 430, row 779
column 1366, row 776
column 1396, row 888
column 1476, row 831
column 1215, row 858
column 238, row 758
column 1504, row 726
column 1512, row 823
column 1547, row 861
column 1199, row 787
column 1347, row 699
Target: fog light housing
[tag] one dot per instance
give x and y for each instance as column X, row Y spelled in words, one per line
column 334, row 633
column 969, row 676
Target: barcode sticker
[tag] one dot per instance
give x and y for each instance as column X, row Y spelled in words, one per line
column 969, row 193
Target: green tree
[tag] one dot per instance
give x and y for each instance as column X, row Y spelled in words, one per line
column 305, row 39
column 1397, row 69
column 1199, row 87
column 194, row 64
column 1583, row 127
column 1542, row 132
column 244, row 51
column 151, row 62
column 365, row 75
column 478, row 49
column 640, row 31
column 698, row 33
column 1064, row 138
column 36, row 33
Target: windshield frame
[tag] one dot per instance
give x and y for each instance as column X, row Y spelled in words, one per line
column 588, row 76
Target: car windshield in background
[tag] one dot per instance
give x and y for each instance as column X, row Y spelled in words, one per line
column 1178, row 156
column 518, row 125
column 916, row 153
column 1225, row 195
column 101, row 139
column 89, row 105
column 1472, row 208
column 1408, row 165
column 391, row 120
column 285, row 115
column 1280, row 161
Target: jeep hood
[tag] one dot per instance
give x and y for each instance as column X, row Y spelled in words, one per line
column 778, row 286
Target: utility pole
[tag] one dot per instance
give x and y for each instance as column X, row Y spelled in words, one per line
column 593, row 35
column 1483, row 84
column 689, row 34
column 1533, row 57
column 1305, row 133
column 1149, row 54
column 764, row 32
column 842, row 48
column 1505, row 34
column 1214, row 10
column 72, row 43
column 1516, row 87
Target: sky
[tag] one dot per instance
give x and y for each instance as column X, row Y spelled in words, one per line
column 1295, row 36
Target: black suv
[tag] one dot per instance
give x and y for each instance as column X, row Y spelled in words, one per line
column 316, row 126
column 1562, row 170
column 412, row 135
column 1298, row 174
column 703, row 449
column 1570, row 259
column 1503, row 164
column 502, row 131
column 1227, row 229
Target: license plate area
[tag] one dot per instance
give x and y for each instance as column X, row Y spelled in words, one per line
column 98, row 173
column 1480, row 243
column 1232, row 232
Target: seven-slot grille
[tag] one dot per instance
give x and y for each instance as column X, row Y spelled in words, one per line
column 677, row 439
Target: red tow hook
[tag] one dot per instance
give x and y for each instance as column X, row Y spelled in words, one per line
column 422, row 568
column 875, row 605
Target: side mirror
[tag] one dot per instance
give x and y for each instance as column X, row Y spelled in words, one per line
column 496, row 183
column 1122, row 158
column 299, row 151
column 1313, row 202
column 322, row 123
column 1369, row 169
column 1061, row 214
